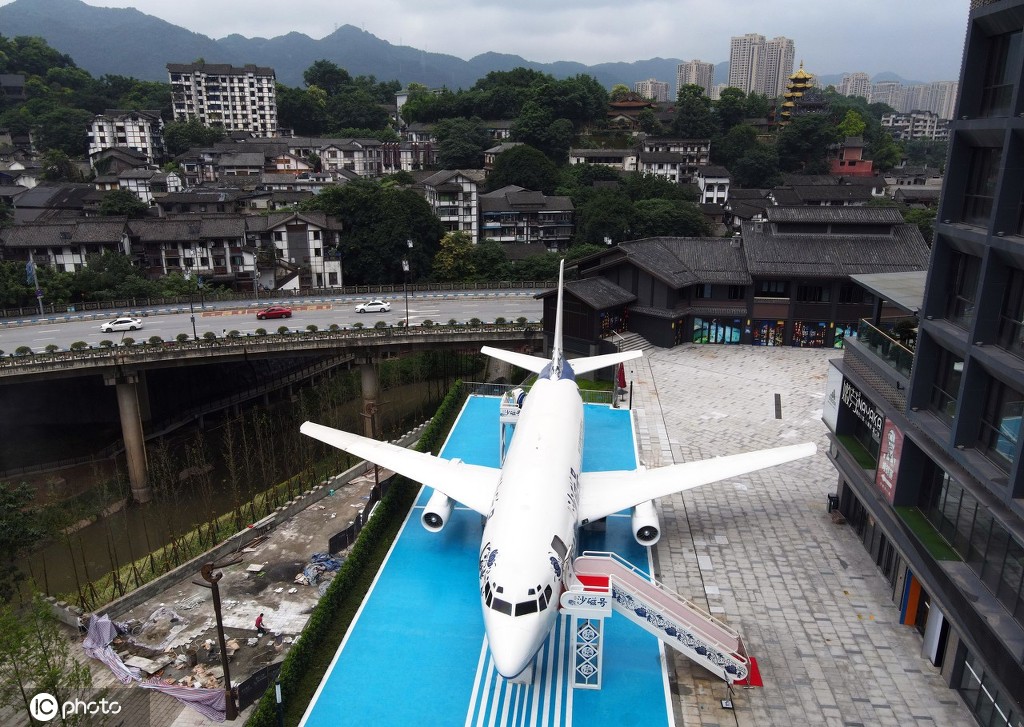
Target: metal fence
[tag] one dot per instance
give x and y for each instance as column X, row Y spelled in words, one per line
column 341, row 540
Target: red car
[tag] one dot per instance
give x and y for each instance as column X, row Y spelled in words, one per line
column 274, row 311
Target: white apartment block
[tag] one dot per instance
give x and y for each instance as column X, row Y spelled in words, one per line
column 138, row 130
column 713, row 183
column 653, row 89
column 760, row 66
column 697, row 73
column 776, row 67
column 453, row 196
column 939, row 97
column 855, row 84
column 744, row 60
column 217, row 94
column 916, row 125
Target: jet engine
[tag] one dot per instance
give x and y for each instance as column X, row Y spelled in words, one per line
column 645, row 523
column 437, row 511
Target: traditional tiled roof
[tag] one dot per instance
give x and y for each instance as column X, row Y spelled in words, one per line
column 817, row 214
column 770, row 253
column 599, row 293
column 684, row 261
column 712, row 171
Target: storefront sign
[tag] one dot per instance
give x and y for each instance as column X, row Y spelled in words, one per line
column 889, row 460
column 833, row 385
column 863, row 409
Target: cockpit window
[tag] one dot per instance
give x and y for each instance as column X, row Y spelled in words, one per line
column 503, row 606
column 525, row 607
column 559, row 547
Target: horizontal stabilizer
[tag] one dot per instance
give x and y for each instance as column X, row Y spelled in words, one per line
column 604, row 493
column 470, row 484
column 593, row 363
column 535, row 364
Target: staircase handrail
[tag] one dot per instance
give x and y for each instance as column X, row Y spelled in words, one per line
column 693, row 611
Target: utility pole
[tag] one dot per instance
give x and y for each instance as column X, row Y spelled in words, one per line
column 405, row 285
column 231, row 708
column 35, row 279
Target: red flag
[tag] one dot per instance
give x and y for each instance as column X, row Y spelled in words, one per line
column 620, row 380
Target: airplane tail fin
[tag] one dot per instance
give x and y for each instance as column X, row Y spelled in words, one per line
column 557, row 366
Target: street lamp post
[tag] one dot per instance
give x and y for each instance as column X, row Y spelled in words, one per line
column 192, row 310
column 231, row 708
column 405, row 285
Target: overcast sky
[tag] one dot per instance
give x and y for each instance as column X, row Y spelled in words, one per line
column 918, row 39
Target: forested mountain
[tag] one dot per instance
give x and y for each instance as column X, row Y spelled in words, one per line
column 126, row 42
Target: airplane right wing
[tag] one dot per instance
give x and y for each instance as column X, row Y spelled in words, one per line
column 604, row 493
column 472, row 485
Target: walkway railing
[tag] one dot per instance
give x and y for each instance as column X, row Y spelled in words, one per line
column 144, row 351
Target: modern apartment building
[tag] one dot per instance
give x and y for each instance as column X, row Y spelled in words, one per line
column 218, row 94
column 938, row 97
column 697, row 73
column 926, row 410
column 138, row 130
column 855, row 84
column 916, row 125
column 760, row 66
column 653, row 89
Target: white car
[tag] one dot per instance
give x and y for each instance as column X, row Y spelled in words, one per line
column 122, row 324
column 375, row 305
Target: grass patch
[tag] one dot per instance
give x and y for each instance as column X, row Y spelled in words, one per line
column 926, row 533
column 861, row 455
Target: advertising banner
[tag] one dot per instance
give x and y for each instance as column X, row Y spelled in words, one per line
column 889, row 460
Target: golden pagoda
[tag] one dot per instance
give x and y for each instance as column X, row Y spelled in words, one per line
column 800, row 83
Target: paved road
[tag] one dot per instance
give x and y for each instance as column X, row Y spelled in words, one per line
column 37, row 333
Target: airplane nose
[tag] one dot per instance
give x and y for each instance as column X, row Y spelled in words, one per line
column 511, row 648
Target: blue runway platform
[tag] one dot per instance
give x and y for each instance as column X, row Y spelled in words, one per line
column 416, row 652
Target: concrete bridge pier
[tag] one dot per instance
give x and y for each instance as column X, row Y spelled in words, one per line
column 371, row 390
column 131, row 429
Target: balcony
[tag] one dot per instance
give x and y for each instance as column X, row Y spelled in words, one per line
column 891, row 341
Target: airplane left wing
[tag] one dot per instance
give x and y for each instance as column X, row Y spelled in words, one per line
column 604, row 493
column 472, row 485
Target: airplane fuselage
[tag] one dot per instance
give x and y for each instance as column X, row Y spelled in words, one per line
column 529, row 540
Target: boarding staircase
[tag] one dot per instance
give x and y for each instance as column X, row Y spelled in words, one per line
column 606, row 581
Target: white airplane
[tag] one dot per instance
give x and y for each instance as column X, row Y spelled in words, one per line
column 536, row 501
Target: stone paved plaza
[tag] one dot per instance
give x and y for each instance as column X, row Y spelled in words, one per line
column 762, row 553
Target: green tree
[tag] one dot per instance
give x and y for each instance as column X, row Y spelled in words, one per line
column 539, row 128
column 461, row 143
column 302, row 111
column 803, row 144
column 378, row 220
column 19, row 528
column 672, row 218
column 57, row 167
column 606, row 213
column 853, row 124
column 925, row 221
column 619, row 91
column 884, row 152
column 490, row 261
column 36, row 657
column 328, row 76
column 454, row 261
column 180, row 136
column 739, row 141
column 730, row 108
column 118, row 202
column 757, row 169
column 523, row 166
column 693, row 114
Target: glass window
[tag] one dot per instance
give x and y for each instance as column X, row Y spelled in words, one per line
column 1009, row 584
column 964, row 271
column 1003, row 63
column 995, row 553
column 1000, row 423
column 947, row 384
column 964, row 522
column 981, row 184
column 1011, row 316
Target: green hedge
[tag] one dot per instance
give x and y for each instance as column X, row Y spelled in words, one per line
column 307, row 661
